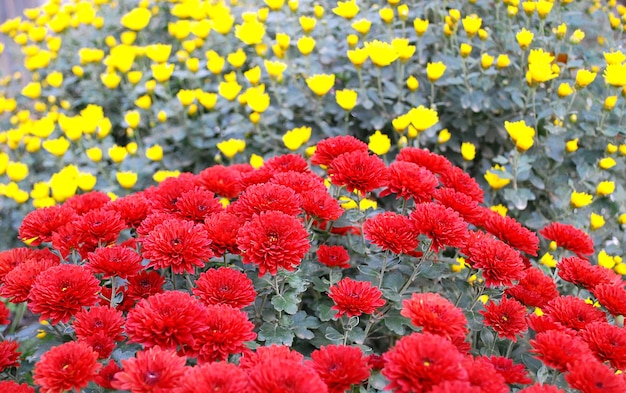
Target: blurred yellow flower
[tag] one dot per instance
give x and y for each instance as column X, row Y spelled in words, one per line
column 56, row 147
column 596, row 221
column 126, row 179
column 420, row 26
column 503, row 61
column 253, row 75
column 94, row 154
column 543, row 8
column 443, row 136
column 412, row 83
column 256, row 161
column 136, row 19
column 16, row 171
column 159, row 53
column 55, row 79
column 362, row 26
column 524, row 38
column 251, row 31
column 584, row 78
column 605, row 188
column 275, row 5
column 296, row 137
column 231, row 147
column 521, row 134
column 434, row 71
column 134, row 76
column 609, row 103
column 358, row 56
column 257, row 99
column 571, row 145
column 564, row 90
column 493, row 178
column 486, row 61
column 306, row 45
column 207, row 100
column 607, row 163
column 381, row 53
column 321, row 84
column 346, row 98
column 617, row 57
column 117, row 153
column 580, row 199
column 471, row 24
column 548, row 260
column 346, row 9
column 422, row 118
column 275, row 69
column 132, row 118
column 577, row 36
column 379, row 143
column 386, row 14
column 307, row 23
column 229, row 90
column 32, row 90
column 162, row 72
column 615, row 75
column 154, row 153
column 143, row 102
column 110, row 80
column 237, row 58
column 186, row 97
column 468, row 151
column 86, row 181
column 605, row 260
column 465, row 50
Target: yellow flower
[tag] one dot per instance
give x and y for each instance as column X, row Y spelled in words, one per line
column 444, row 136
column 606, row 163
column 580, row 199
column 493, row 178
column 154, row 153
column 362, row 26
column 584, row 78
column 231, row 147
column 548, row 260
column 159, row 53
column 617, row 57
column 162, row 72
column 256, row 161
column 381, row 53
column 605, row 260
column 346, row 98
column 17, row 171
column 215, row 62
column 306, row 45
column 503, row 61
column 521, row 134
column 564, row 90
column 468, row 151
column 434, row 71
column 86, row 181
column 358, row 56
column 275, row 69
column 543, row 8
column 611, row 148
column 257, row 99
column 615, row 75
column 296, row 137
column 422, row 118
column 251, row 32
column 275, row 5
column 136, row 19
column 321, row 84
column 32, row 90
column 379, row 143
column 346, row 9
column 56, row 147
column 577, row 36
column 386, row 14
column 412, row 83
column 94, row 154
column 186, row 97
column 486, row 61
column 560, row 31
column 605, row 188
column 524, row 38
column 540, row 71
column 132, row 118
column 161, row 175
column 420, row 26
column 117, row 153
column 253, row 75
column 126, row 179
column 596, row 221
column 609, row 103
column 465, row 50
column 307, row 23
column 471, row 24
column 55, row 79
column 236, row 59
column 134, row 77
column 144, row 102
column 229, row 90
column 500, row 209
column 622, row 219
column 571, row 145
column 207, row 100
column 132, row 148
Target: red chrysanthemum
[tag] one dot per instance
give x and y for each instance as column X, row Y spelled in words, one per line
column 507, row 318
column 84, row 203
column 468, row 208
column 455, row 387
column 101, row 344
column 11, row 258
column 420, row 361
column 273, row 240
column 539, row 388
column 62, row 292
column 151, row 222
column 544, row 323
column 579, row 271
column 461, row 182
column 358, row 171
column 339, row 366
column 300, row 182
column 333, row 256
column 612, row 298
column 154, row 370
column 321, row 205
column 68, row 366
column 435, row 163
column 19, row 281
column 14, row 387
column 107, row 374
column 391, row 232
column 144, row 285
column 172, row 320
column 607, row 342
column 214, row 377
column 100, row 319
column 286, row 163
column 115, row 261
column 499, row 262
column 591, row 376
column 4, row 314
column 558, row 349
column 99, row 228
column 225, row 286
column 38, row 225
column 224, row 181
column 227, row 329
column 132, row 208
column 482, row 374
column 179, row 244
column 442, row 225
column 263, row 354
column 408, row 180
column 285, row 376
column 534, row 289
column 355, row 297
column 163, row 198
column 330, row 148
column 569, row 237
column 435, row 314
column 222, row 229
column 512, row 373
column 197, row 204
column 572, row 312
column 256, row 177
column 261, row 198
column 512, row 233
column 9, row 355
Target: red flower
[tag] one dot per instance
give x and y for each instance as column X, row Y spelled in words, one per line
column 179, row 244
column 408, row 180
column 9, row 355
column 435, row 163
column 508, row 318
column 84, row 203
column 461, row 182
column 500, row 263
column 14, row 387
column 320, row 205
column 391, row 232
column 68, row 366
column 339, row 366
column 4, row 314
column 355, row 297
column 99, row 228
column 106, row 375
column 225, row 286
column 263, row 354
column 573, row 312
column 67, row 239
column 442, row 225
column 607, row 342
column 144, row 285
column 172, row 320
column 420, row 361
column 222, row 230
column 227, row 329
column 197, row 204
column 590, row 376
column 100, row 319
column 482, row 374
column 358, row 171
column 512, row 233
column 224, row 181
column 11, row 258
column 38, row 225
column 163, row 198
column 330, row 148
column 115, row 261
column 214, row 377
column 273, row 240
column 569, row 237
column 534, row 289
column 132, row 208
column 455, row 387
column 285, row 376
column 62, row 292
column 19, row 281
column 435, row 314
column 256, row 177
column 512, row 373
column 612, row 298
column 579, row 271
column 468, row 208
column 300, row 182
column 333, row 256
column 101, row 344
column 152, row 221
column 538, row 388
column 154, row 370
column 559, row 349
column 544, row 323
column 286, row 163
column 261, row 198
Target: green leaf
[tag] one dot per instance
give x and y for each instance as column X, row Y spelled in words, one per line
column 275, row 334
column 396, row 324
column 287, row 302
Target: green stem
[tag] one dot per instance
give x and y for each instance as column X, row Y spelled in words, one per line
column 432, row 96
column 382, row 270
column 17, row 318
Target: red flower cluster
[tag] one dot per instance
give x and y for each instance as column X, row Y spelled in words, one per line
column 354, row 298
